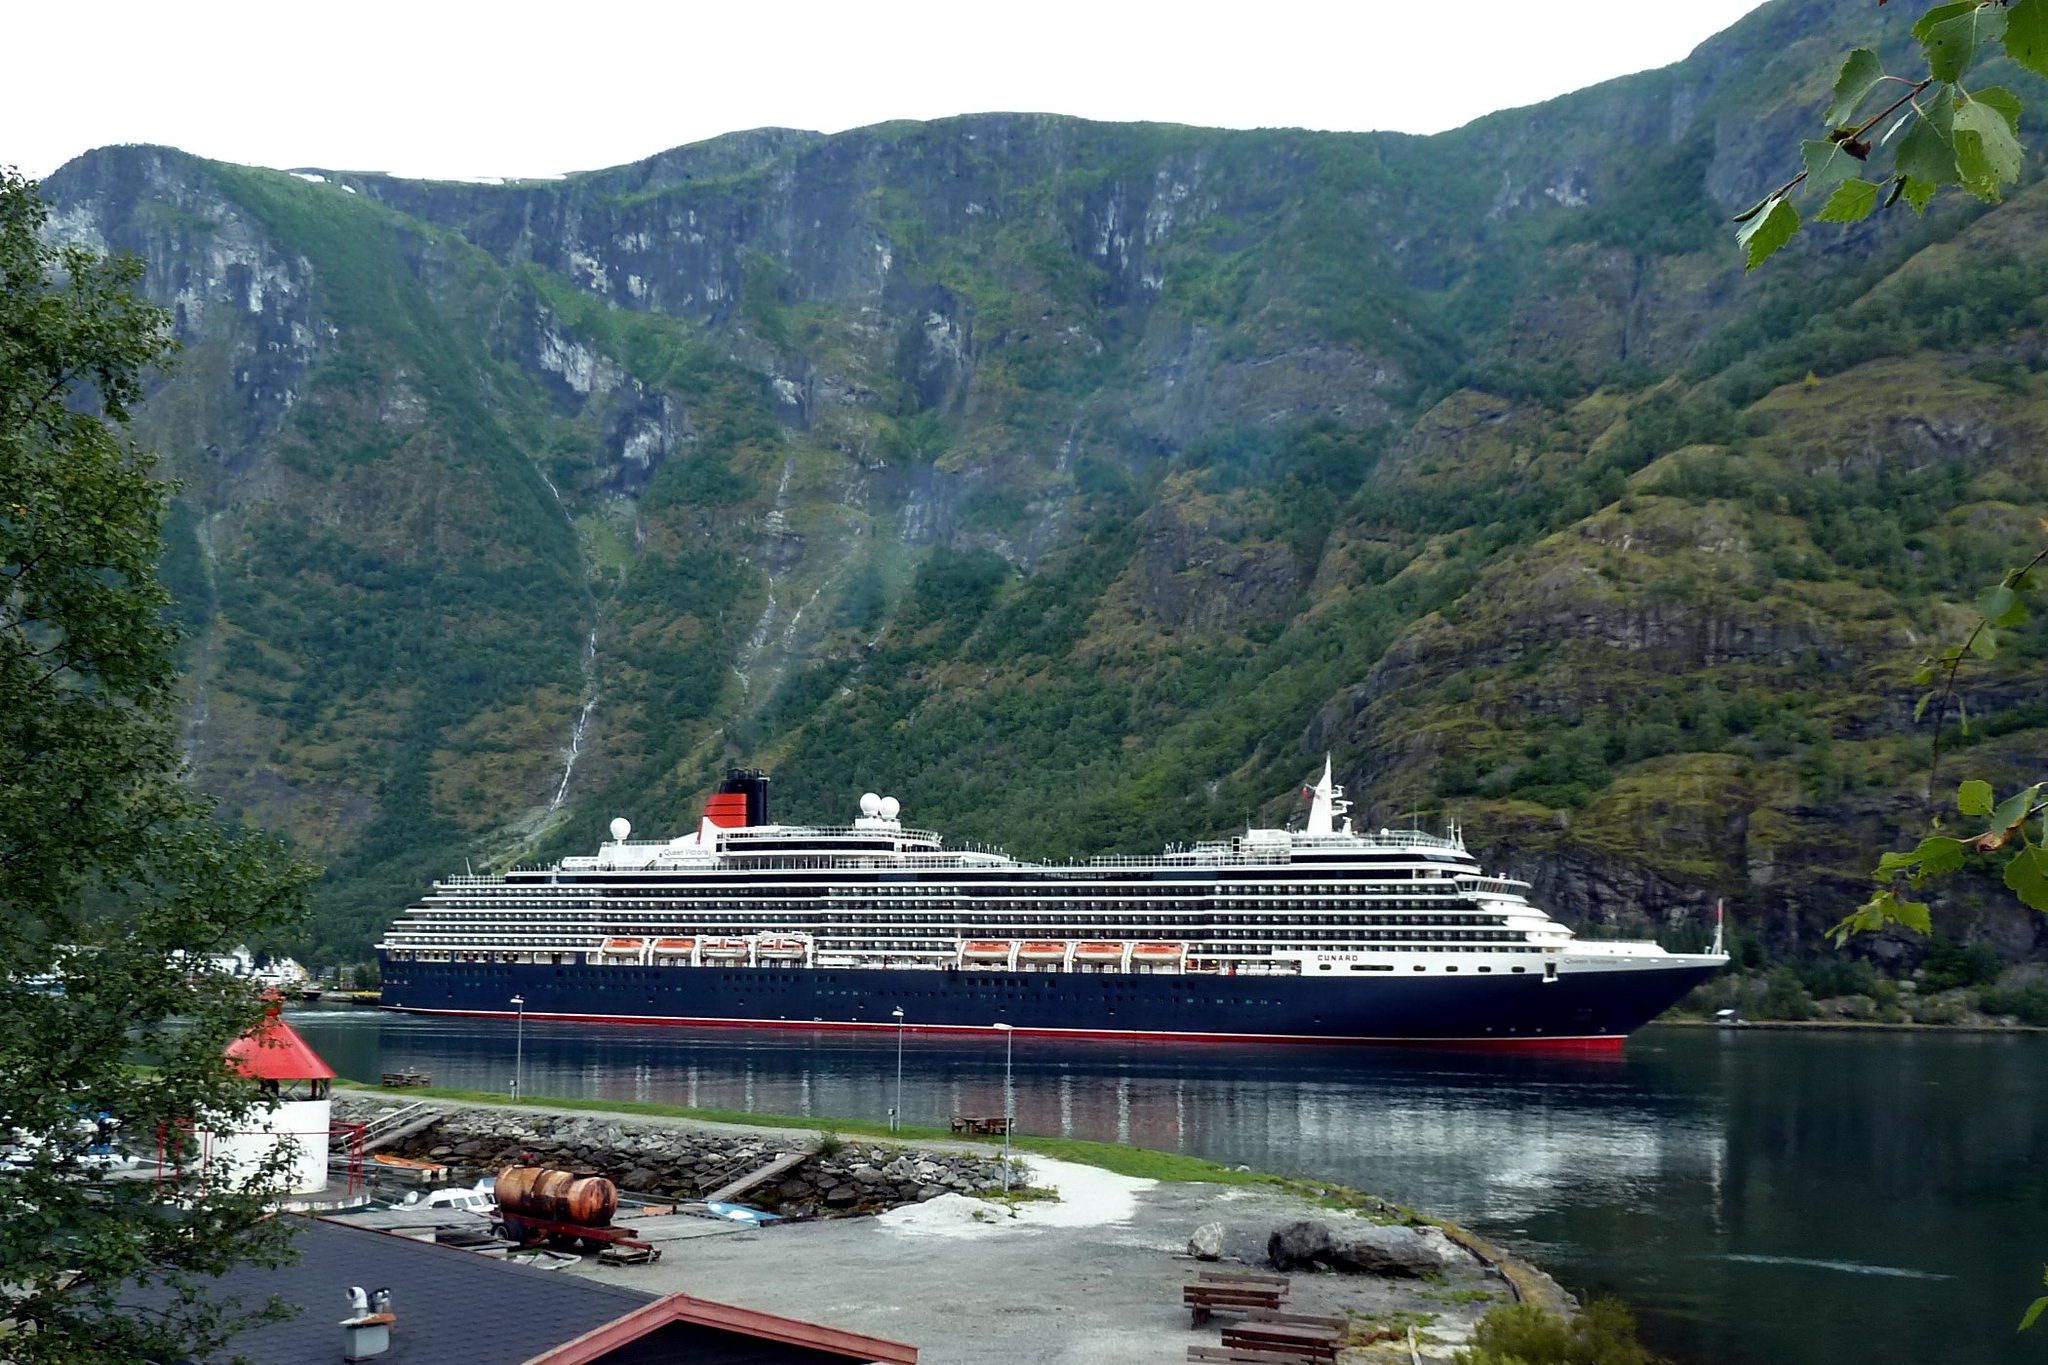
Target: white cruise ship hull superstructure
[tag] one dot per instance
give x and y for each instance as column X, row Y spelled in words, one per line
column 1315, row 935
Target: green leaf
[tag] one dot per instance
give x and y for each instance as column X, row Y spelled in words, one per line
column 1984, row 644
column 1926, row 154
column 1914, row 915
column 2001, row 606
column 2033, row 1312
column 2004, row 101
column 1952, row 33
column 2026, row 42
column 1851, row 202
column 2027, row 876
column 1938, row 854
column 1920, row 707
column 1828, row 164
column 1893, row 863
column 1768, row 231
column 2014, row 808
column 1987, row 154
column 1881, row 909
column 1859, row 76
column 1974, row 797
column 1918, row 193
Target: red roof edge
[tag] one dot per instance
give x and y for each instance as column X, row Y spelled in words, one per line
column 273, row 1051
column 596, row 1344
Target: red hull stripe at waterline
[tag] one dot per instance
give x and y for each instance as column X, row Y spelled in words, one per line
column 1598, row 1044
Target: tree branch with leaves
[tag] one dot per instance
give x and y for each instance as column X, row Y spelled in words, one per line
column 1935, row 130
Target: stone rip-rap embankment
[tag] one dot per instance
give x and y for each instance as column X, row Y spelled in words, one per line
column 1088, row 1269
column 652, row 1157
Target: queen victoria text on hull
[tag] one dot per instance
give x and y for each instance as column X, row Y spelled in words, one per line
column 1318, row 935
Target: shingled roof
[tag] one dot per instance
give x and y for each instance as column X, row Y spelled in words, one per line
column 458, row 1306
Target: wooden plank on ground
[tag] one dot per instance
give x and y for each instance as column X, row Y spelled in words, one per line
column 781, row 1165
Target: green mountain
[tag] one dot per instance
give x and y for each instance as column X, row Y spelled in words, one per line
column 1082, row 484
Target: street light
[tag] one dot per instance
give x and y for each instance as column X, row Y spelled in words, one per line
column 896, row 1114
column 518, row 1046
column 1009, row 1109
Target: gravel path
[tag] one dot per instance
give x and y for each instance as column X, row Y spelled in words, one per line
column 1093, row 1278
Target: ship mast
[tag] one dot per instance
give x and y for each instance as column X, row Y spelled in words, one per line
column 1326, row 804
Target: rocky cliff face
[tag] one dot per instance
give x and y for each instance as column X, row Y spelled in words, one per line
column 1083, row 483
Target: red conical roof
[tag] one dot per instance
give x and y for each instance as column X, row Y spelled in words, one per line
column 273, row 1051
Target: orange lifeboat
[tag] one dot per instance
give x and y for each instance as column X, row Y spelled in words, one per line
column 1154, row 955
column 1042, row 952
column 725, row 949
column 1099, row 952
column 989, row 950
column 623, row 947
column 674, row 947
column 780, row 950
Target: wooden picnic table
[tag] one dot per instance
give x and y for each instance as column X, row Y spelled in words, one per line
column 1218, row 1292
column 1308, row 1340
column 1244, row 1355
column 1240, row 1277
column 406, row 1079
column 971, row 1123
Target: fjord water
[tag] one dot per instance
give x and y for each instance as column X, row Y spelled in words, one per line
column 1761, row 1197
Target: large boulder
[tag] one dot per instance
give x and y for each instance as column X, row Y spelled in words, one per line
column 1207, row 1243
column 1300, row 1245
column 1411, row 1252
column 1360, row 1249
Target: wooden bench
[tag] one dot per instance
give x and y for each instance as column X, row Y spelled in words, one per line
column 966, row 1123
column 1224, row 1355
column 1205, row 1298
column 1281, row 1315
column 1306, row 1337
column 1279, row 1282
column 406, row 1079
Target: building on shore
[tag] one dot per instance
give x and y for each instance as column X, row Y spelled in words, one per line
column 421, row 1303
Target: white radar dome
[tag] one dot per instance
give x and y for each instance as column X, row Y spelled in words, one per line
column 891, row 807
column 869, row 804
column 621, row 827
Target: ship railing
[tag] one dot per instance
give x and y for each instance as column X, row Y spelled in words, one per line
column 1510, row 885
column 771, row 833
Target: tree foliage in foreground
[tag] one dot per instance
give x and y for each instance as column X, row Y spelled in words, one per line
column 113, row 873
column 1929, row 131
column 1893, row 136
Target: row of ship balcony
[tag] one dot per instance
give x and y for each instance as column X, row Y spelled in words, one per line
column 1074, row 955
column 957, row 859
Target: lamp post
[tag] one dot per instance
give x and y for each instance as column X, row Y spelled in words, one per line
column 896, row 1114
column 1009, row 1109
column 518, row 1045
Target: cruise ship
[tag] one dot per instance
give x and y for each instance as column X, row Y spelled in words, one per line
column 1320, row 934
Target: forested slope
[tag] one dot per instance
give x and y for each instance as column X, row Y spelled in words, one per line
column 1082, row 484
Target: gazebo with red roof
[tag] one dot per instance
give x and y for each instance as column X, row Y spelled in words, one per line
column 274, row 1055
column 296, row 1106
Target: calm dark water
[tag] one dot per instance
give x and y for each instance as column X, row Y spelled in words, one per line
column 1763, row 1198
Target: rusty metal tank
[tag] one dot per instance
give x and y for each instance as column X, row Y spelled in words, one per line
column 557, row 1196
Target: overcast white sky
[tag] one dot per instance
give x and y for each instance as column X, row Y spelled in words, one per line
column 462, row 90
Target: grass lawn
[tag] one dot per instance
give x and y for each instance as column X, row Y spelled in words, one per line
column 1132, row 1161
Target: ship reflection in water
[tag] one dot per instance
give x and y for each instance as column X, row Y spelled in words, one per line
column 1786, row 1198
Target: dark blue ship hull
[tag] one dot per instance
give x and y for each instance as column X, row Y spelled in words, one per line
column 1580, row 1009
